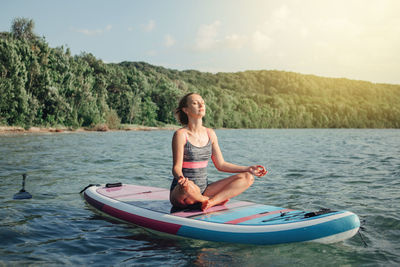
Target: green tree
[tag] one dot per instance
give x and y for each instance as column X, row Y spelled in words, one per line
column 22, row 28
column 40, row 85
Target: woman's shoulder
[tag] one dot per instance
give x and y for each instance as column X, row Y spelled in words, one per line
column 210, row 130
column 181, row 133
column 211, row 134
column 182, row 130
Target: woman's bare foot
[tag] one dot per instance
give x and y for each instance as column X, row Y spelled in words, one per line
column 190, row 193
column 209, row 203
column 224, row 202
column 205, row 205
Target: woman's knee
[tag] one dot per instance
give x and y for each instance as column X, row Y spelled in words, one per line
column 248, row 177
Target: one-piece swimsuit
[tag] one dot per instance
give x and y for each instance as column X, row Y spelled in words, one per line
column 195, row 161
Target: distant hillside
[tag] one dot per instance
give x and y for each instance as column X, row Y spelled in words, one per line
column 43, row 86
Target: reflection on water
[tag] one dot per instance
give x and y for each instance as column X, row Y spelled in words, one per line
column 357, row 170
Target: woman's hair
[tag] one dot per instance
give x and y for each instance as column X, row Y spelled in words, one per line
column 179, row 113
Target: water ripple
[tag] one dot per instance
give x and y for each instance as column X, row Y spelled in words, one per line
column 358, row 170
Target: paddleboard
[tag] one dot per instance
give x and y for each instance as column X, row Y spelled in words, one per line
column 234, row 222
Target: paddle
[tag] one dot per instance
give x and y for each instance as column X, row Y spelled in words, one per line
column 22, row 194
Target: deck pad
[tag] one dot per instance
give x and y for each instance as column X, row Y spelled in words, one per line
column 157, row 199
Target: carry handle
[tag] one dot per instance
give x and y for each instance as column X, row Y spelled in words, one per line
column 110, row 185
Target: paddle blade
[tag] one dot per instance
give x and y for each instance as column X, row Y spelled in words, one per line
column 22, row 195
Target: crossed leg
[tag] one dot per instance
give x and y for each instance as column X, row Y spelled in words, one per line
column 186, row 194
column 217, row 193
column 221, row 191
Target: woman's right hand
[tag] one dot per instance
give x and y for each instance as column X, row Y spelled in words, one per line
column 182, row 181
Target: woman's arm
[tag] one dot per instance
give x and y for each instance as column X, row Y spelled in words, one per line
column 225, row 166
column 178, row 143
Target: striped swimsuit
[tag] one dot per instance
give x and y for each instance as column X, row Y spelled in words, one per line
column 195, row 161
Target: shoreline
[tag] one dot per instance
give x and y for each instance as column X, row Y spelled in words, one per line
column 16, row 130
column 4, row 130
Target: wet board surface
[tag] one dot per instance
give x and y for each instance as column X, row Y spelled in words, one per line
column 236, row 221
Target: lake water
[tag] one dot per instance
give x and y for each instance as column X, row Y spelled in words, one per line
column 357, row 170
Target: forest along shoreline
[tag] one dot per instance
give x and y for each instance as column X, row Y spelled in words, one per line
column 4, row 130
column 45, row 86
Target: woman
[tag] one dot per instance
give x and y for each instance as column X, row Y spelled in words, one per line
column 192, row 146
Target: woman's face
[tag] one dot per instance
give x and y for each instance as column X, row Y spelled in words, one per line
column 195, row 106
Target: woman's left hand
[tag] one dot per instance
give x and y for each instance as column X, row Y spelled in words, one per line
column 258, row 170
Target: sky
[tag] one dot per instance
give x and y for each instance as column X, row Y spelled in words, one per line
column 354, row 39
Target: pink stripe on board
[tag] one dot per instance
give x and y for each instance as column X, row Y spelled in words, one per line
column 195, row 164
column 213, row 209
column 258, row 215
column 150, row 195
column 160, row 226
column 125, row 190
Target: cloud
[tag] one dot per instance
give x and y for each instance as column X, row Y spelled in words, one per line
column 149, row 26
column 235, row 41
column 169, row 40
column 206, row 37
column 279, row 27
column 280, row 14
column 94, row 32
column 260, row 41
